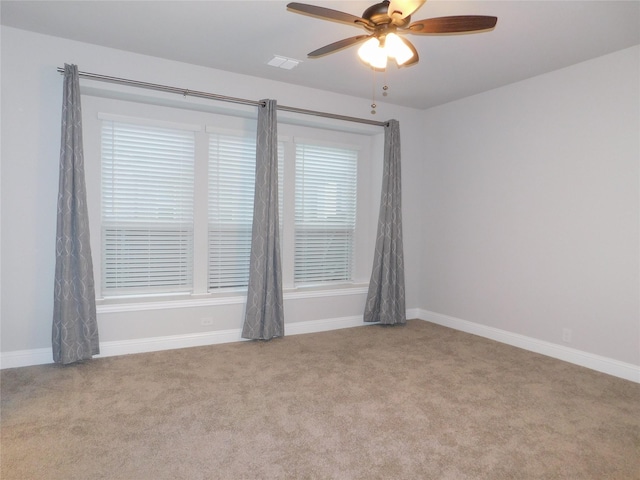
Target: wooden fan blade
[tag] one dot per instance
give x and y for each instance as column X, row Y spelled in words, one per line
column 327, row 14
column 339, row 45
column 455, row 24
column 403, row 8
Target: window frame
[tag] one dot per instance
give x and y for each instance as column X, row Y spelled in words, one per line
column 212, row 119
column 141, row 224
column 300, row 279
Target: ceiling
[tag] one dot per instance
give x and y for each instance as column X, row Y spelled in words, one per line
column 531, row 38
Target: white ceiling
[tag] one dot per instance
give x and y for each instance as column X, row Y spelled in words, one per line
column 531, row 38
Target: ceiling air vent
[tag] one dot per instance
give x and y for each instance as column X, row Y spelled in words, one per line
column 283, row 62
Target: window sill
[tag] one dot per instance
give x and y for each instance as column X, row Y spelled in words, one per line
column 161, row 302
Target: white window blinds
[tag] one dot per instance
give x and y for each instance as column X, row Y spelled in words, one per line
column 147, row 208
column 232, row 163
column 149, row 215
column 325, row 214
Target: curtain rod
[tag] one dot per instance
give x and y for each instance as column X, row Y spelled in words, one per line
column 212, row 96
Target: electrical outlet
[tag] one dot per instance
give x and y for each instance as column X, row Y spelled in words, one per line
column 566, row 335
column 206, row 321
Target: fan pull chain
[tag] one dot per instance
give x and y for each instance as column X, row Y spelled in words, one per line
column 373, row 93
column 385, row 90
column 385, row 87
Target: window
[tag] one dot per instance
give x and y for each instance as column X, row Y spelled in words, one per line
column 171, row 202
column 147, row 208
column 325, row 214
column 232, row 164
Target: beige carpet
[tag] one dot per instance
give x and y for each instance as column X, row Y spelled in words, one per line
column 414, row 402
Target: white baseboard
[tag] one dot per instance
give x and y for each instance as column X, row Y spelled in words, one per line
column 25, row 358
column 144, row 345
column 170, row 342
column 599, row 363
column 314, row 326
column 41, row 356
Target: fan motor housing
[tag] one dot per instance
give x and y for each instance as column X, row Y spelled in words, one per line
column 378, row 14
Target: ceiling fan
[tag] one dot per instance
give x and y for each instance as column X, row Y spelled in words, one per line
column 384, row 21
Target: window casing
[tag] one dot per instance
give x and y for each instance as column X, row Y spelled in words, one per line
column 147, row 208
column 232, row 164
column 231, row 192
column 325, row 214
column 214, row 224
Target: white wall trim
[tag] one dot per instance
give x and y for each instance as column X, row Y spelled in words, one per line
column 25, row 358
column 170, row 342
column 170, row 304
column 627, row 371
column 231, row 299
column 334, row 292
column 41, row 356
column 325, row 325
column 599, row 363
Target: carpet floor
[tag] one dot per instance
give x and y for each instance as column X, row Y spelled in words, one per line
column 419, row 401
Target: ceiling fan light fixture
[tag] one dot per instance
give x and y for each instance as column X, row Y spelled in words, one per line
column 373, row 54
column 398, row 49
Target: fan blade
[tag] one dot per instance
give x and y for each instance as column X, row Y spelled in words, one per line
column 339, row 45
column 413, row 60
column 403, row 8
column 455, row 24
column 328, row 14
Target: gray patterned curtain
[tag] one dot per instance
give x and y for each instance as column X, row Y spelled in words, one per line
column 385, row 300
column 264, row 317
column 75, row 327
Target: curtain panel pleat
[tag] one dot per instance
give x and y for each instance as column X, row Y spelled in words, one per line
column 75, row 326
column 264, row 317
column 386, row 297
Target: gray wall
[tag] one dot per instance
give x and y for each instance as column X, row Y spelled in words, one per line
column 520, row 205
column 532, row 209
column 31, row 104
